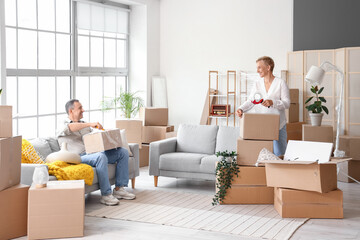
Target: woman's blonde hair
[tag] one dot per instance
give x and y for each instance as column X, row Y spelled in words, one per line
column 268, row 61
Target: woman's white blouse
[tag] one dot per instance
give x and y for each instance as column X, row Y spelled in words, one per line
column 278, row 93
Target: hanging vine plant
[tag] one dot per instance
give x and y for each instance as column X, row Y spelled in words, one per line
column 226, row 169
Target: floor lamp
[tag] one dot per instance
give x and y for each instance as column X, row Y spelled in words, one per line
column 315, row 76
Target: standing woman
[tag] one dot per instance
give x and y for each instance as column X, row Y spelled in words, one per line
column 275, row 93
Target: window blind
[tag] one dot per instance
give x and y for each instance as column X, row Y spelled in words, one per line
column 101, row 18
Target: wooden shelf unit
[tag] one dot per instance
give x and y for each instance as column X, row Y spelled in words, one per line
column 230, row 96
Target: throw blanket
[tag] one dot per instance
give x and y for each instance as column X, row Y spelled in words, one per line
column 61, row 170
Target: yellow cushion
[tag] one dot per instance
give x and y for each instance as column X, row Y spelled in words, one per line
column 28, row 153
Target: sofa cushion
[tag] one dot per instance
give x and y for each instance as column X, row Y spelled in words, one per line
column 181, row 162
column 54, row 144
column 207, row 164
column 42, row 147
column 196, row 138
column 226, row 138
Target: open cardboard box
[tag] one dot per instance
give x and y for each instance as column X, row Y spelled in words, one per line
column 306, row 166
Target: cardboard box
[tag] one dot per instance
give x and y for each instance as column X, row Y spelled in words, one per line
column 291, row 203
column 248, row 150
column 351, row 146
column 292, row 114
column 294, row 130
column 144, row 155
column 102, row 140
column 250, row 176
column 249, row 195
column 294, row 95
column 171, row 134
column 133, row 129
column 56, row 211
column 154, row 116
column 155, row 133
column 309, row 176
column 259, row 126
column 351, row 168
column 14, row 210
column 10, row 161
column 5, row 121
column 249, row 188
column 323, row 133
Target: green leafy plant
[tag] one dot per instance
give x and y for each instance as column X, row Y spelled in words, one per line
column 226, row 169
column 127, row 102
column 317, row 106
column 0, row 91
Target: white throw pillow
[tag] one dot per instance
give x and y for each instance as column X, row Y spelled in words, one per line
column 125, row 142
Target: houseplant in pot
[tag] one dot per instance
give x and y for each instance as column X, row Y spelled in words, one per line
column 315, row 109
column 128, row 103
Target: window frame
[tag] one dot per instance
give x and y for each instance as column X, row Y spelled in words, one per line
column 73, row 72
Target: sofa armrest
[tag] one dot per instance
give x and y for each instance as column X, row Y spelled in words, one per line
column 27, row 172
column 134, row 147
column 158, row 148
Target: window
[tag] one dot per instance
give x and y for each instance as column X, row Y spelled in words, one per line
column 102, row 40
column 48, row 61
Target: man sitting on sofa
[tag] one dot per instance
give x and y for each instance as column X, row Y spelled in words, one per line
column 72, row 134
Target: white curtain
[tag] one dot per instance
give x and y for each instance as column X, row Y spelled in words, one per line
column 101, row 18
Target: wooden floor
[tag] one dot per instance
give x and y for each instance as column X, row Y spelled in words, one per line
column 101, row 228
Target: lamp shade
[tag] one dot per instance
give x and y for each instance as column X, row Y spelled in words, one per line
column 315, row 75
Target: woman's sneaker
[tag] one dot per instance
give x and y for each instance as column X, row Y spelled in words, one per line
column 109, row 200
column 121, row 193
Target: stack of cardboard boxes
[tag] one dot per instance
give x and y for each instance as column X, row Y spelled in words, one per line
column 305, row 189
column 351, row 146
column 255, row 134
column 13, row 195
column 152, row 126
column 293, row 127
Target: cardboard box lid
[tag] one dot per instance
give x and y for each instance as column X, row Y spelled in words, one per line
column 68, row 184
column 332, row 160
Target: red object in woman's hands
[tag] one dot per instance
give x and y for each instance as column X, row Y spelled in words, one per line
column 258, row 102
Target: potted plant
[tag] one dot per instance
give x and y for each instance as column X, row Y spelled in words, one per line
column 226, row 169
column 127, row 102
column 315, row 109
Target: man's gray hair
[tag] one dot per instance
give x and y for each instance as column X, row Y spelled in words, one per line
column 70, row 105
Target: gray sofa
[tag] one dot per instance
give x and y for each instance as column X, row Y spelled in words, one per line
column 45, row 146
column 192, row 153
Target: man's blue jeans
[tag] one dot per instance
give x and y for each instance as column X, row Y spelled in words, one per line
column 100, row 161
column 280, row 145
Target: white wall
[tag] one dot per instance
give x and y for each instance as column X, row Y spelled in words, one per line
column 201, row 35
column 144, row 46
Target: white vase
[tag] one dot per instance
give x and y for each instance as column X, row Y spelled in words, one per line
column 316, row 118
column 41, row 176
column 63, row 155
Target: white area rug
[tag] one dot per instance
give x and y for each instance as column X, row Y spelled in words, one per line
column 195, row 211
